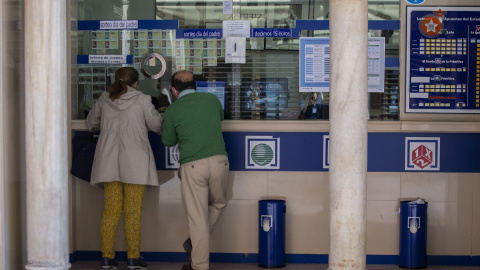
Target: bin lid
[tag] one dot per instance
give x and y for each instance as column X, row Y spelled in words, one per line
column 419, row 201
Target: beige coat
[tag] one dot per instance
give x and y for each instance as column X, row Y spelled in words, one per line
column 123, row 150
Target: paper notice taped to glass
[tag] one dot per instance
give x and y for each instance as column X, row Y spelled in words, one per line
column 235, row 50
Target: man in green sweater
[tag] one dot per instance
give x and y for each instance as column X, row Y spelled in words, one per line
column 193, row 122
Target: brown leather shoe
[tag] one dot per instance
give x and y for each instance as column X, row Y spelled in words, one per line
column 187, row 267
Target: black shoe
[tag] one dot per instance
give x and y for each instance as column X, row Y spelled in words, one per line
column 187, row 245
column 137, row 263
column 187, row 266
column 108, row 263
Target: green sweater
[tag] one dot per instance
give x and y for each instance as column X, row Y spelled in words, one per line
column 194, row 122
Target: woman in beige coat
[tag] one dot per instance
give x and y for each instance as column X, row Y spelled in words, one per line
column 124, row 163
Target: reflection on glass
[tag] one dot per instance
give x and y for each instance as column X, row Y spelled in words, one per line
column 271, row 62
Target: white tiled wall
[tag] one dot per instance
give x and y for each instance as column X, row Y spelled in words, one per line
column 453, row 213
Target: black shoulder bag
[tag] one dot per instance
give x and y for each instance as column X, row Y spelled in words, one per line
column 82, row 157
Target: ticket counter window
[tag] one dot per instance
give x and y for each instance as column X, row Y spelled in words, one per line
column 266, row 87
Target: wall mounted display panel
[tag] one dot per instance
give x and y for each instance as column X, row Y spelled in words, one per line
column 442, row 59
column 315, row 64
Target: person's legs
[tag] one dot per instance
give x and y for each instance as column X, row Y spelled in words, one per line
column 112, row 210
column 194, row 187
column 133, row 199
column 218, row 188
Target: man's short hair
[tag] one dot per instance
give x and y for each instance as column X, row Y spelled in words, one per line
column 182, row 80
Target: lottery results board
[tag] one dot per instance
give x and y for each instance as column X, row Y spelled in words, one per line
column 443, row 60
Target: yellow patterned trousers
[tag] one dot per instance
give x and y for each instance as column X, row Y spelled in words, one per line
column 121, row 198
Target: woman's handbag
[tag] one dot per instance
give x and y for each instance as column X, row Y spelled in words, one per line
column 83, row 154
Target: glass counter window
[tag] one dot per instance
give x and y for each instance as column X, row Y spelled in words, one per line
column 265, row 88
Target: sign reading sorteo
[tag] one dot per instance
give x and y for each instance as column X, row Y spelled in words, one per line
column 422, row 153
column 262, row 152
column 130, row 24
column 202, row 33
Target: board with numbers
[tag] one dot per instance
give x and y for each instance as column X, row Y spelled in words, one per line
column 443, row 60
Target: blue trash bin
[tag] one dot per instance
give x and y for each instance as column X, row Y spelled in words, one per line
column 413, row 235
column 271, row 235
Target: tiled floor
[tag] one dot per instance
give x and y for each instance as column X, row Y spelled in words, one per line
column 84, row 265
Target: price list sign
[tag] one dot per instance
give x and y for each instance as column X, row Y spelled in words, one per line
column 443, row 60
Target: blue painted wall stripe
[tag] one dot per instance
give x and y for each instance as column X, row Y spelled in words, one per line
column 303, row 151
column 253, row 258
column 325, row 24
column 299, row 24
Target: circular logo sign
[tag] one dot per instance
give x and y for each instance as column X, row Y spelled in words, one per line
column 175, row 153
column 415, row 2
column 262, row 154
column 431, row 26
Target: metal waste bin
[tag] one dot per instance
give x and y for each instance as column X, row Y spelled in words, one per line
column 271, row 235
column 413, row 234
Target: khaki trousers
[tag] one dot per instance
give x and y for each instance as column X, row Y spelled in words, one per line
column 204, row 195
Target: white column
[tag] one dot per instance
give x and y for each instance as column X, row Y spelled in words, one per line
column 348, row 133
column 3, row 246
column 46, row 134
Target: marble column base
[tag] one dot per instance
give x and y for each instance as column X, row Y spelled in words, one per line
column 49, row 267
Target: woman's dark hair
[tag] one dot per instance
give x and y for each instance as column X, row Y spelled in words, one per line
column 125, row 76
column 182, row 80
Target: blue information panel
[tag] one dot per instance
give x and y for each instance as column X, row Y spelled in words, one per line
column 443, row 60
column 314, row 64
